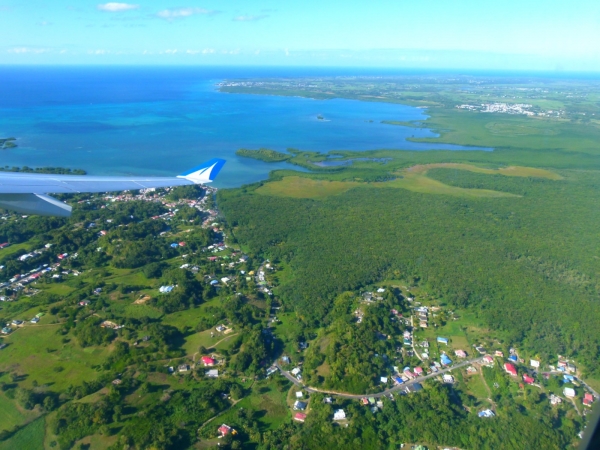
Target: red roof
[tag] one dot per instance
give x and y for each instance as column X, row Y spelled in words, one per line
column 418, row 370
column 510, row 369
column 527, row 379
column 208, row 360
column 588, row 399
column 300, row 417
column 224, row 429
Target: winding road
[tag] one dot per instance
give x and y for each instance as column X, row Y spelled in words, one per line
column 397, row 388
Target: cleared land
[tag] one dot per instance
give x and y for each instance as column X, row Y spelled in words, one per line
column 414, row 179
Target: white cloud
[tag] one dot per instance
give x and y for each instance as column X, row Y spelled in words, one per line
column 98, row 52
column 21, row 50
column 208, row 51
column 250, row 18
column 171, row 51
column 117, row 7
column 170, row 14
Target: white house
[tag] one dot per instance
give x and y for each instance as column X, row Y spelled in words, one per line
column 569, row 392
column 339, row 415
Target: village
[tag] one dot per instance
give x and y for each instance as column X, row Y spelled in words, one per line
column 438, row 354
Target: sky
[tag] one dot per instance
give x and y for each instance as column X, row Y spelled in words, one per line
column 477, row 34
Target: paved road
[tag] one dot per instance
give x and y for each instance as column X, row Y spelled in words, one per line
column 378, row 394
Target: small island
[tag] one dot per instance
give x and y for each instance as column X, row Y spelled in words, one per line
column 6, row 143
column 48, row 170
column 320, row 117
column 264, row 154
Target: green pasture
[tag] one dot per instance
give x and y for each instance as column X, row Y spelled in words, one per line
column 29, row 437
column 12, row 415
column 40, row 354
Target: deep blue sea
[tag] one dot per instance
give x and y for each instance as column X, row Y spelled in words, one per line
column 162, row 121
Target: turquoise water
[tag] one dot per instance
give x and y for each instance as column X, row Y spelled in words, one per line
column 161, row 121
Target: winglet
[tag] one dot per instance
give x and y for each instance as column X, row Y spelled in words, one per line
column 204, row 173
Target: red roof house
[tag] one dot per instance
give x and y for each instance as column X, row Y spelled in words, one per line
column 588, row 399
column 510, row 369
column 208, row 361
column 300, row 417
column 418, row 370
column 224, row 430
column 527, row 379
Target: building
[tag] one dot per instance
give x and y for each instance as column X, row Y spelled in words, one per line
column 569, row 392
column 555, row 399
column 486, row 413
column 415, row 387
column 213, row 373
column 460, row 353
column 299, row 394
column 339, row 414
column 383, row 379
column 588, row 399
column 448, row 378
column 224, row 430
column 300, row 406
column 300, row 417
column 445, row 360
column 442, row 340
column 534, row 363
column 488, row 360
column 527, row 379
column 510, row 369
column 499, row 354
column 208, row 361
column 183, row 368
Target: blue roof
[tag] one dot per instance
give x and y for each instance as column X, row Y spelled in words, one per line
column 214, row 282
column 398, row 380
column 513, row 357
column 445, row 360
column 174, row 245
column 442, row 339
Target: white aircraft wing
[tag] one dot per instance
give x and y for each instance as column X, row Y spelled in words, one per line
column 26, row 192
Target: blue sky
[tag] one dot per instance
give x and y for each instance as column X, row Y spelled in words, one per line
column 484, row 34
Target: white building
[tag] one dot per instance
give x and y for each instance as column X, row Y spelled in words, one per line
column 339, row 415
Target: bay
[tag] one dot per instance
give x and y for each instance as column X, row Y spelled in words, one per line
column 164, row 120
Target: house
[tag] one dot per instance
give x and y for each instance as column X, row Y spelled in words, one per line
column 588, row 399
column 285, row 359
column 299, row 394
column 445, row 360
column 300, row 406
column 569, row 392
column 418, row 371
column 183, row 368
column 213, row 282
column 213, row 373
column 568, row 378
column 486, row 413
column 534, row 363
column 84, row 302
column 488, row 360
column 570, row 368
column 300, row 417
column 165, row 289
column 415, row 387
column 224, row 430
column 328, row 400
column 3, row 346
column 442, row 340
column 423, row 324
column 555, row 399
column 513, row 358
column 499, row 354
column 407, row 341
column 17, row 322
column 408, row 374
column 510, row 369
column 6, row 330
column 448, row 378
column 527, row 379
column 398, row 380
column 339, row 414
column 364, row 401
column 271, row 370
column 208, row 361
column 296, row 371
column 460, row 353
column 117, row 381
column 383, row 379
column 35, row 320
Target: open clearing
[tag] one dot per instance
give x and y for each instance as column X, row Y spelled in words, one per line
column 414, row 179
column 40, row 353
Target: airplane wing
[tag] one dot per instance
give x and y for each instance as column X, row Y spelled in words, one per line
column 26, row 192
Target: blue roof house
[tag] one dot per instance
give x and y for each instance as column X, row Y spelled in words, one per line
column 442, row 340
column 445, row 360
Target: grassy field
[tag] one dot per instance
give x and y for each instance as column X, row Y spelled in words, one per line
column 11, row 415
column 29, row 438
column 413, row 178
column 39, row 354
column 268, row 403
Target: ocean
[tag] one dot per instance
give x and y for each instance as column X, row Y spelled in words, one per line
column 164, row 120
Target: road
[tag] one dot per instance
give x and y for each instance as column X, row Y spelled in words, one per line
column 378, row 394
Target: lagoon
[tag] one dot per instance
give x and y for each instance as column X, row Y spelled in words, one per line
column 162, row 121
